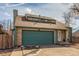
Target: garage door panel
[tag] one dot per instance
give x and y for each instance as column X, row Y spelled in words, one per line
column 37, row 38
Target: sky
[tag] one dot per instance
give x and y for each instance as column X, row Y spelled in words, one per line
column 54, row 10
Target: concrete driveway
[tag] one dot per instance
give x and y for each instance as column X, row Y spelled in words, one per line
column 59, row 51
column 47, row 51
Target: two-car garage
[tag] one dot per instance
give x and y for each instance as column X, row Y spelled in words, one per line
column 37, row 37
column 38, row 30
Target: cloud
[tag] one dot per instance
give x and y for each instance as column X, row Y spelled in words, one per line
column 5, row 15
column 27, row 11
column 6, row 5
column 54, row 10
column 24, row 11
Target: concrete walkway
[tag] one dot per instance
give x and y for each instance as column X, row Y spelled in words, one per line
column 19, row 52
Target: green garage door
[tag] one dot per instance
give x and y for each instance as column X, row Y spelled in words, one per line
column 37, row 38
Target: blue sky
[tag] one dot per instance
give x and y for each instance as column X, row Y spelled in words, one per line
column 54, row 10
column 51, row 10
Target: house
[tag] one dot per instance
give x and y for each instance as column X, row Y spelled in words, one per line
column 75, row 36
column 38, row 30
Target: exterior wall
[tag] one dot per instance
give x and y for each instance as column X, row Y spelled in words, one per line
column 19, row 22
column 55, row 37
column 19, row 36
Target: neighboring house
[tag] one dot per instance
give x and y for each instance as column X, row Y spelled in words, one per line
column 38, row 30
column 75, row 36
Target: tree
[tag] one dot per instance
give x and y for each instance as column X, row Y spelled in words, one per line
column 70, row 15
column 67, row 17
column 75, row 9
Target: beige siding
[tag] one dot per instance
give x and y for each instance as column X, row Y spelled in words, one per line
column 19, row 22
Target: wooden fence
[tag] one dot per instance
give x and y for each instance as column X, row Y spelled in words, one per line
column 6, row 41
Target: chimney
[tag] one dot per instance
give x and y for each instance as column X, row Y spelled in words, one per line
column 15, row 13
